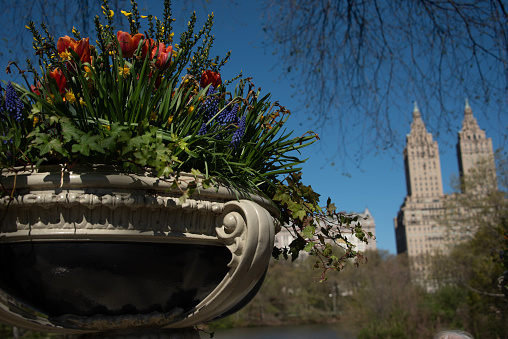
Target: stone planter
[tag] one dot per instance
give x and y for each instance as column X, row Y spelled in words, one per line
column 91, row 250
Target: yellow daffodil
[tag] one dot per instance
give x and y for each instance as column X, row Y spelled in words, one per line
column 190, row 109
column 50, row 99
column 70, row 97
column 88, row 71
column 65, row 55
column 125, row 71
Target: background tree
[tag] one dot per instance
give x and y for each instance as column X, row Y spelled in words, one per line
column 376, row 300
column 477, row 231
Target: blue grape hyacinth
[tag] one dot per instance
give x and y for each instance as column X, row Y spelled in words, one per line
column 13, row 105
column 237, row 136
column 202, row 130
column 228, row 115
column 210, row 106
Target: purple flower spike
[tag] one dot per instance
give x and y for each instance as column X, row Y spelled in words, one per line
column 13, row 104
column 202, row 130
column 237, row 136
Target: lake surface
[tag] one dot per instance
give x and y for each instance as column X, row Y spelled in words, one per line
column 285, row 332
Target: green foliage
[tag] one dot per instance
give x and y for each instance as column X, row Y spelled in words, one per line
column 467, row 276
column 377, row 300
column 317, row 228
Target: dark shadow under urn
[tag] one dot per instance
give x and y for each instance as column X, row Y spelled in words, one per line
column 110, row 278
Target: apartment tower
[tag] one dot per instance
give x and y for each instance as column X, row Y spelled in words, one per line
column 475, row 149
column 417, row 228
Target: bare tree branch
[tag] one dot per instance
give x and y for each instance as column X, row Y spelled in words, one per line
column 356, row 62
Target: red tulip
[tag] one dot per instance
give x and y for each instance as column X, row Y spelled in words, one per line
column 208, row 77
column 81, row 47
column 35, row 89
column 128, row 43
column 64, row 43
column 163, row 55
column 59, row 77
column 147, row 48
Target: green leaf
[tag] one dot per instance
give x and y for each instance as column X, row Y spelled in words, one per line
column 309, row 246
column 166, row 172
column 36, row 108
column 308, row 232
column 300, row 214
column 195, row 172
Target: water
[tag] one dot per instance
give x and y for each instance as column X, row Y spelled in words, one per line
column 285, row 332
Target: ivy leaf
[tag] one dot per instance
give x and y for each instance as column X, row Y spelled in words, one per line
column 308, row 232
column 88, row 142
column 36, row 108
column 48, row 145
column 92, row 142
column 166, row 171
column 54, row 119
column 276, row 252
column 321, row 239
column 184, row 197
column 56, row 145
column 71, row 132
column 206, row 183
column 330, row 207
column 309, row 246
column 300, row 214
column 108, row 143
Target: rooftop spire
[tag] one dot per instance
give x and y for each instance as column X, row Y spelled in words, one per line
column 416, row 111
column 467, row 109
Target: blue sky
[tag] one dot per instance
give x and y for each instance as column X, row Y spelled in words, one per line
column 379, row 182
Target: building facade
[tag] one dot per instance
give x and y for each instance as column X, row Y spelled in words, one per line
column 475, row 148
column 417, row 228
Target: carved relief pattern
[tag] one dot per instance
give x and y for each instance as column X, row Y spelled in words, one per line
column 80, row 210
column 232, row 234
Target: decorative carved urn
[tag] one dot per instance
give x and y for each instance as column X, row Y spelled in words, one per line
column 95, row 251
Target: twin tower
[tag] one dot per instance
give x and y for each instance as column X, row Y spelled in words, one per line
column 416, row 230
